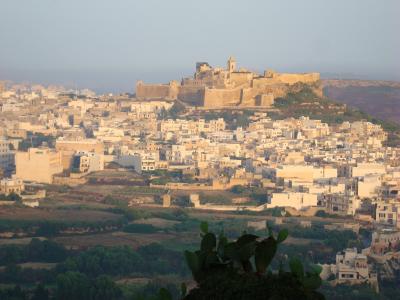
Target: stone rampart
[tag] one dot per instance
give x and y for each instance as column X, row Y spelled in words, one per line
column 192, row 95
column 297, row 78
column 221, row 97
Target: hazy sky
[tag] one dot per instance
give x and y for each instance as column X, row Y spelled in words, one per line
column 109, row 44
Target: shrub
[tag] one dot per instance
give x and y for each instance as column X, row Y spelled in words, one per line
column 238, row 270
column 140, row 228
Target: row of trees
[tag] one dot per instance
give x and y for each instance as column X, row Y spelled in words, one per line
column 52, row 228
column 35, row 251
column 69, row 286
column 119, row 261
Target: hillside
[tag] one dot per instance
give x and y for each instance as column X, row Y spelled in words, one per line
column 380, row 99
column 305, row 102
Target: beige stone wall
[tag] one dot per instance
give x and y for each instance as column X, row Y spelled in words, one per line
column 269, row 86
column 221, row 97
column 69, row 181
column 152, row 91
column 295, row 78
column 193, row 95
column 266, row 100
column 157, row 91
column 248, row 97
column 263, row 82
column 240, row 78
column 95, row 146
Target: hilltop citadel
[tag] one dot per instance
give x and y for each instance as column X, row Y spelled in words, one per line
column 217, row 87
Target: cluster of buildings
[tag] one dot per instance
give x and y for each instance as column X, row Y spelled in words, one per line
column 351, row 267
column 342, row 169
column 365, row 267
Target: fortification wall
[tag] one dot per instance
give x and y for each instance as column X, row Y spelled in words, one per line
column 221, row 97
column 239, row 78
column 242, row 88
column 262, row 82
column 295, row 78
column 192, row 95
column 152, row 91
column 265, row 100
column 277, row 91
column 269, row 86
column 262, row 96
column 248, row 95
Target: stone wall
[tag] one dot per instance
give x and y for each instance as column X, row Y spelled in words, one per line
column 247, row 97
column 155, row 91
column 239, row 78
column 295, row 78
column 222, row 97
column 193, row 95
column 265, row 100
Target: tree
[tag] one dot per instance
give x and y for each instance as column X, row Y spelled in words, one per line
column 48, row 229
column 73, row 286
column 15, row 293
column 14, row 197
column 176, row 109
column 238, row 189
column 46, row 250
column 105, row 289
column 40, row 293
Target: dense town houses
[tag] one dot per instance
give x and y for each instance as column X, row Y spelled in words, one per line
column 340, row 168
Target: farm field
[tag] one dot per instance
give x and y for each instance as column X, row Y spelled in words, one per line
column 146, row 241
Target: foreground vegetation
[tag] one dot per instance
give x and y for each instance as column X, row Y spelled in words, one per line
column 48, row 269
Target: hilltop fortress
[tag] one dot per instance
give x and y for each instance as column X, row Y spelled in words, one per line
column 217, row 87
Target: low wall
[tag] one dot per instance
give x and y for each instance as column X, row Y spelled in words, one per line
column 183, row 187
column 216, row 185
column 69, row 181
column 39, row 195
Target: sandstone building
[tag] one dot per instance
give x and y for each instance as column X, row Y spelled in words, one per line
column 38, row 164
column 11, row 185
column 217, row 87
column 69, row 147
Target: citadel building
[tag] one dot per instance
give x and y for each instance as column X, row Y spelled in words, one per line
column 217, row 87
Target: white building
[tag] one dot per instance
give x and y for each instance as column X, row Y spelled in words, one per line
column 87, row 162
column 388, row 213
column 292, row 199
column 11, row 185
column 351, row 268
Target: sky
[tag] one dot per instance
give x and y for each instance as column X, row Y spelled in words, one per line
column 107, row 45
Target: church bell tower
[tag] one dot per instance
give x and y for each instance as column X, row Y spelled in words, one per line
column 231, row 64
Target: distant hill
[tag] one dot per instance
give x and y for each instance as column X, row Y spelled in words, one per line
column 380, row 99
column 304, row 101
